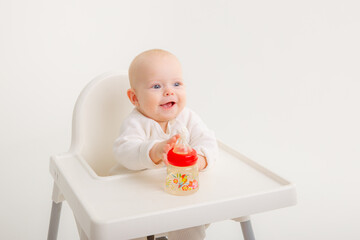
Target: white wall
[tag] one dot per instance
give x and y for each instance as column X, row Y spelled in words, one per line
column 280, row 81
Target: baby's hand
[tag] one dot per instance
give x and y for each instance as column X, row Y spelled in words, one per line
column 202, row 163
column 160, row 150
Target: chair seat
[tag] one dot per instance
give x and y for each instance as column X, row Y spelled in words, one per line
column 134, row 204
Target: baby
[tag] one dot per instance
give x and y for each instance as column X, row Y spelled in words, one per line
column 152, row 128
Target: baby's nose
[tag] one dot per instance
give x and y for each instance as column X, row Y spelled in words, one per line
column 168, row 92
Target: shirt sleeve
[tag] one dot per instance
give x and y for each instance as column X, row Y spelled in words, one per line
column 132, row 147
column 202, row 139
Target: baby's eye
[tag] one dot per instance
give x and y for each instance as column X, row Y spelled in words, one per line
column 156, row 86
column 177, row 84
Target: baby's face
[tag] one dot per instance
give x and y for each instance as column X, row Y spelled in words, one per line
column 159, row 88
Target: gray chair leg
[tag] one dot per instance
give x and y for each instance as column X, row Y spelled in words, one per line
column 54, row 220
column 247, row 230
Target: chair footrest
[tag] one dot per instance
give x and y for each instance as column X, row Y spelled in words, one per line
column 152, row 237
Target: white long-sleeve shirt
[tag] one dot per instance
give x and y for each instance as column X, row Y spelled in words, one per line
column 138, row 135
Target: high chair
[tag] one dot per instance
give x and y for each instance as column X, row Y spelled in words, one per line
column 133, row 204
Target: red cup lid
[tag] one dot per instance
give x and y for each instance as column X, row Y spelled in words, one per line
column 182, row 160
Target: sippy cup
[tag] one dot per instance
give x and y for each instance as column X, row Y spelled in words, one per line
column 182, row 172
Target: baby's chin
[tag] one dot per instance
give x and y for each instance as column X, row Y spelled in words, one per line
column 167, row 118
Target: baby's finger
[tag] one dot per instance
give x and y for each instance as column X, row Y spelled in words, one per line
column 165, row 159
column 167, row 148
column 173, row 140
column 175, row 137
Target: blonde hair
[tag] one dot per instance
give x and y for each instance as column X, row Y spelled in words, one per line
column 141, row 57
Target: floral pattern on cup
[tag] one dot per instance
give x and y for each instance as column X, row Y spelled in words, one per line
column 183, row 182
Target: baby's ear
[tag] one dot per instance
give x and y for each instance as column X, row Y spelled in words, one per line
column 132, row 96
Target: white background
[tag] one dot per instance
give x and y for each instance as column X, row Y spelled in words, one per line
column 277, row 80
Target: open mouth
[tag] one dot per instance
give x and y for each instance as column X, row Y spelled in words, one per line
column 168, row 105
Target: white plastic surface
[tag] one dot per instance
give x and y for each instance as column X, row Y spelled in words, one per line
column 98, row 114
column 134, row 204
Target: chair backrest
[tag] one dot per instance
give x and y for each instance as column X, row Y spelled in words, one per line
column 99, row 111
